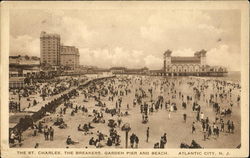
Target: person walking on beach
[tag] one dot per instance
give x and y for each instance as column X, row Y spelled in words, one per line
column 51, row 133
column 185, row 117
column 204, row 135
column 136, row 141
column 209, row 131
column 198, row 116
column 228, row 126
column 147, row 134
column 222, row 126
column 203, row 125
column 46, row 132
column 232, row 127
column 217, row 131
column 193, row 128
column 132, row 140
column 119, row 121
column 35, row 130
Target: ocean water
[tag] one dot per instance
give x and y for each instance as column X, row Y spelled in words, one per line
column 233, row 76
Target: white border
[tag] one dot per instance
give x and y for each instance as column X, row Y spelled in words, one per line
column 209, row 5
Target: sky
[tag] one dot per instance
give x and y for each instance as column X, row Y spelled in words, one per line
column 133, row 38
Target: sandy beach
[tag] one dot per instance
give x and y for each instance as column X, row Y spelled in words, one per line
column 159, row 122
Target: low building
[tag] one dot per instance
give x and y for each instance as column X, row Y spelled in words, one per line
column 23, row 66
column 16, row 82
column 188, row 65
column 141, row 71
column 14, row 72
column 69, row 57
column 156, row 72
column 118, row 70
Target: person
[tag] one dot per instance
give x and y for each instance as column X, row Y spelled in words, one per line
column 204, row 135
column 207, row 120
column 136, row 141
column 193, row 108
column 98, row 144
column 40, row 126
column 217, row 131
column 132, row 140
column 69, row 141
column 12, row 137
column 156, row 145
column 91, row 141
column 185, row 117
column 203, row 125
column 169, row 114
column 51, row 133
column 89, row 126
column 119, row 122
column 162, row 143
column 146, row 118
column 109, row 142
column 85, row 127
column 147, row 134
column 72, row 113
column 79, row 128
column 194, row 144
column 214, row 128
column 232, row 127
column 202, row 116
column 35, row 130
column 222, row 127
column 209, row 131
column 46, row 132
column 184, row 105
column 198, row 116
column 118, row 141
column 19, row 137
column 36, row 145
column 165, row 138
column 193, row 128
column 228, row 126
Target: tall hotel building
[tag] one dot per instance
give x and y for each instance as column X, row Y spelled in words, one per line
column 50, row 48
column 55, row 54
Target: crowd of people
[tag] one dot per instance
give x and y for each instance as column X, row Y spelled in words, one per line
column 32, row 93
column 110, row 108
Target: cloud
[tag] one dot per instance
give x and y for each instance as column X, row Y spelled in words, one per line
column 25, row 45
column 181, row 29
column 73, row 31
column 221, row 56
column 218, row 56
column 153, row 62
column 131, row 38
column 119, row 57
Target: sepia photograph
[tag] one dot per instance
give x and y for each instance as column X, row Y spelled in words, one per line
column 125, row 76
